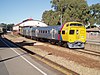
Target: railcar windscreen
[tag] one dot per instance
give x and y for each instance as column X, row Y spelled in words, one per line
column 76, row 24
column 71, row 32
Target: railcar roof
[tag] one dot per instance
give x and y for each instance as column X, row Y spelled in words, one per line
column 74, row 22
column 48, row 27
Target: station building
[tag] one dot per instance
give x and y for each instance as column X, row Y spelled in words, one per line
column 27, row 23
column 93, row 33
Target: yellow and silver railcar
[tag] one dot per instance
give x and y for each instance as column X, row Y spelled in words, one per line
column 71, row 34
column 74, row 33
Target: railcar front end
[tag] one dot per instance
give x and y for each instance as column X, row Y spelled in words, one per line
column 75, row 34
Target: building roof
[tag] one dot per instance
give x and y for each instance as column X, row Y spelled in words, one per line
column 30, row 19
column 97, row 29
column 31, row 22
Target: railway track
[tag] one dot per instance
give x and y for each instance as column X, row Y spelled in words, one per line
column 89, row 52
column 85, row 51
column 94, row 53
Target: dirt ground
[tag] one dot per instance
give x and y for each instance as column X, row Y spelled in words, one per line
column 83, row 60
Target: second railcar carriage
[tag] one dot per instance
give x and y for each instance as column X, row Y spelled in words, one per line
column 72, row 34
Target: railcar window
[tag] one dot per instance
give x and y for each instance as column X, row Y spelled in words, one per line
column 75, row 24
column 67, row 25
column 46, row 31
column 63, row 32
column 71, row 32
column 33, row 31
column 58, row 32
column 41, row 31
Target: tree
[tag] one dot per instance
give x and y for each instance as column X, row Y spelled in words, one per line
column 3, row 25
column 72, row 10
column 10, row 27
column 94, row 14
column 7, row 26
column 50, row 17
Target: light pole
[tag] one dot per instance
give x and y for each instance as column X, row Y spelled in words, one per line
column 62, row 10
column 61, row 18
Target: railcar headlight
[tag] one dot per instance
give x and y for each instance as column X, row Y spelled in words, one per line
column 82, row 37
column 77, row 32
column 66, row 31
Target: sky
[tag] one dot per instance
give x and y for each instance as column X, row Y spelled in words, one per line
column 15, row 11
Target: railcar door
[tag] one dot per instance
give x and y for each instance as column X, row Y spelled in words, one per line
column 36, row 33
column 77, row 34
column 31, row 32
column 72, row 37
column 81, row 34
column 53, row 33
